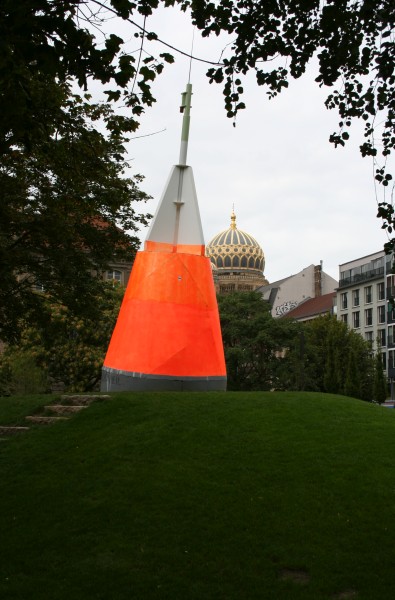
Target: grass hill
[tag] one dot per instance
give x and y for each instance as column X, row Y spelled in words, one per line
column 200, row 497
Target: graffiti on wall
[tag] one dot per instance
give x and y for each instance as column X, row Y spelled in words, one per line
column 282, row 309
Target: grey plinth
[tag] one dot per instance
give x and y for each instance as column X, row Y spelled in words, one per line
column 113, row 380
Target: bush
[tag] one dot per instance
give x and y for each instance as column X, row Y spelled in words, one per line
column 20, row 375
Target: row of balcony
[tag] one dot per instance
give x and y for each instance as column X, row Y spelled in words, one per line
column 360, row 277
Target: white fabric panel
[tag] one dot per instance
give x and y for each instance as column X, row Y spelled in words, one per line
column 177, row 218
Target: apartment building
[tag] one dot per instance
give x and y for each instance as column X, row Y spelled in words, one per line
column 365, row 287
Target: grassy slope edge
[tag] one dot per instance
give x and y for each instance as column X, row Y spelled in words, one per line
column 200, row 497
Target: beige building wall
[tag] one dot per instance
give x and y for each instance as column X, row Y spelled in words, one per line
column 286, row 294
column 361, row 298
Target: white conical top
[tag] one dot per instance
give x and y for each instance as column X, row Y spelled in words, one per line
column 177, row 218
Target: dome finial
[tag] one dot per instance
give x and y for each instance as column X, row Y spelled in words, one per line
column 233, row 218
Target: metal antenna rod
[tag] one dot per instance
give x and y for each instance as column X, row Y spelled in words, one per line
column 185, row 108
column 190, row 61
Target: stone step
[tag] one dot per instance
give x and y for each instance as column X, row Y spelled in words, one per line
column 4, row 430
column 45, row 420
column 64, row 409
column 84, row 399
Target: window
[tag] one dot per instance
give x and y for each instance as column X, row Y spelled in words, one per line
column 355, row 319
column 384, row 360
column 368, row 294
column 378, row 263
column 344, row 318
column 390, row 286
column 114, row 276
column 381, row 314
column 369, row 316
column 366, row 267
column 391, row 312
column 380, row 291
column 381, row 337
column 38, row 287
column 227, row 288
column 344, row 300
column 390, row 338
column 391, row 356
column 245, row 288
column 355, row 298
column 369, row 337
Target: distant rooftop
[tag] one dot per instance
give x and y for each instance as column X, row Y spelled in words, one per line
column 313, row 307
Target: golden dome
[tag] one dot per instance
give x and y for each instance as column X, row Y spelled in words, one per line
column 235, row 250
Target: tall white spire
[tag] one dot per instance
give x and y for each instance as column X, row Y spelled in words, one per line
column 177, row 219
column 186, row 109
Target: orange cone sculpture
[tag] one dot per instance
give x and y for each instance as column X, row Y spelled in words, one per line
column 168, row 335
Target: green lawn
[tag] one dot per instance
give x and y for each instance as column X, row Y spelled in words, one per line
column 236, row 496
column 14, row 409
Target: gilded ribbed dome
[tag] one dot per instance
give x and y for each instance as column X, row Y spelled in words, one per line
column 235, row 250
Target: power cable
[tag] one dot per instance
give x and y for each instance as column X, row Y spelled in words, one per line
column 157, row 39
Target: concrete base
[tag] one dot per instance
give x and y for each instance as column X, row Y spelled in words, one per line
column 113, row 380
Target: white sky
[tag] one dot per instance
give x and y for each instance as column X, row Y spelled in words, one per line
column 302, row 199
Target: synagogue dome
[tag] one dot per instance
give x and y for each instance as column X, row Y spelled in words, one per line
column 235, row 250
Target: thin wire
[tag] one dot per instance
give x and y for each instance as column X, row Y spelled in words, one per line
column 141, row 51
column 190, row 61
column 156, row 39
column 137, row 137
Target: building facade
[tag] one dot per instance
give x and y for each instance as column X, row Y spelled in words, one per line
column 118, row 271
column 286, row 294
column 366, row 288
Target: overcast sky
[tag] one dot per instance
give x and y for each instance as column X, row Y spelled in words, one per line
column 302, row 200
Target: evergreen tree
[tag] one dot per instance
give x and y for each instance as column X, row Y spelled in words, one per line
column 335, row 359
column 380, row 381
column 352, row 385
column 253, row 341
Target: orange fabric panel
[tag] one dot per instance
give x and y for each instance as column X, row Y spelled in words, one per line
column 166, row 339
column 192, row 249
column 182, row 248
column 168, row 323
column 158, row 247
column 179, row 278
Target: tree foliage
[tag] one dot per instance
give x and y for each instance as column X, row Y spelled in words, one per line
column 352, row 40
column 65, row 200
column 63, row 40
column 20, row 374
column 253, row 341
column 65, row 206
column 63, row 348
column 332, row 359
column 50, row 140
column 380, row 386
column 352, row 46
column 321, row 355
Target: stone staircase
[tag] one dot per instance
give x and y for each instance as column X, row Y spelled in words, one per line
column 55, row 413
column 6, row 431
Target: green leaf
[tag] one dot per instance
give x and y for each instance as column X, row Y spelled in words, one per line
column 169, row 58
column 148, row 74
